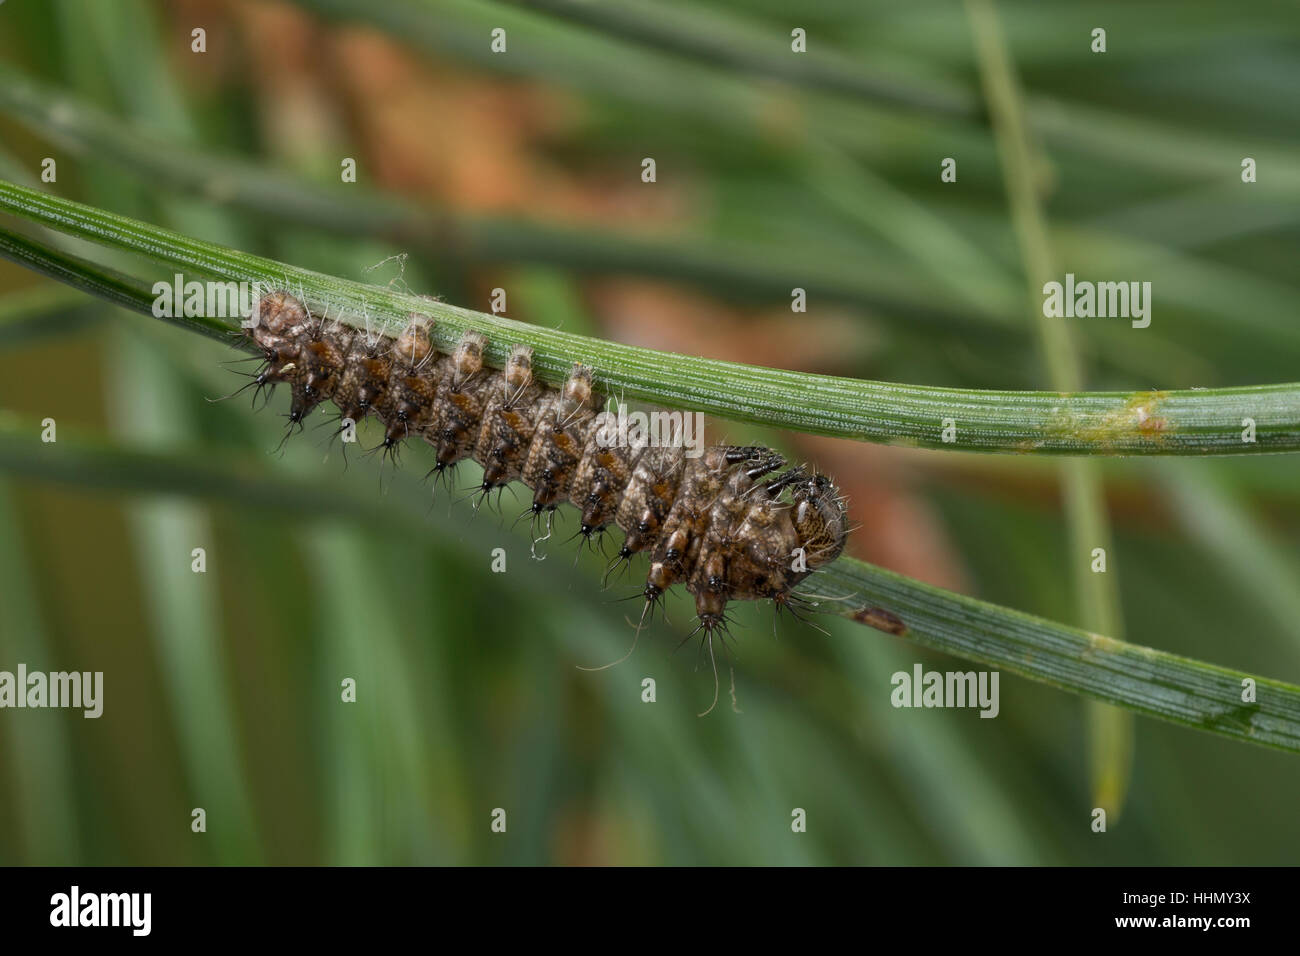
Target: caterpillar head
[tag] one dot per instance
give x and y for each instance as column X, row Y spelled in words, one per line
column 820, row 520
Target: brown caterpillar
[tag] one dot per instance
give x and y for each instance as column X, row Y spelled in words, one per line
column 729, row 524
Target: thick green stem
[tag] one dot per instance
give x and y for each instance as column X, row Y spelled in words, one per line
column 1166, row 686
column 1179, row 422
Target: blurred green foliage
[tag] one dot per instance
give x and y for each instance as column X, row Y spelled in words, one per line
column 222, row 689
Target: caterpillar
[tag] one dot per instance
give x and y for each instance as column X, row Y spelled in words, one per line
column 731, row 524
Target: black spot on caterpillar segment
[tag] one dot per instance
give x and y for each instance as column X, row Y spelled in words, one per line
column 730, row 524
